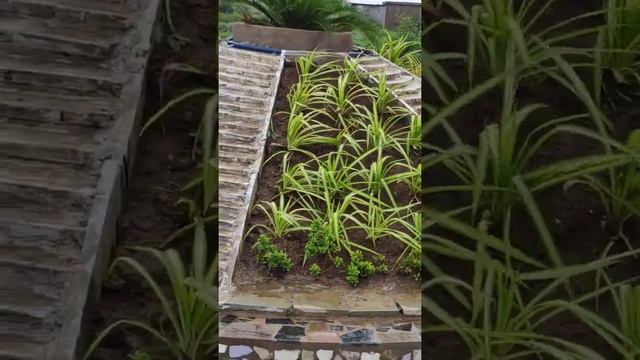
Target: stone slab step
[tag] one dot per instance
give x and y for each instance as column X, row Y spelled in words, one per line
column 240, row 107
column 30, row 107
column 400, row 80
column 227, row 144
column 411, row 87
column 375, row 66
column 52, row 247
column 368, row 59
column 47, row 35
column 41, row 74
column 43, row 217
column 46, row 175
column 240, row 159
column 36, row 196
column 412, row 100
column 232, row 88
column 246, row 71
column 23, row 337
column 234, row 169
column 254, row 121
column 105, row 13
column 252, row 56
column 243, row 99
column 243, row 80
column 231, row 197
column 47, row 145
column 237, row 137
column 225, row 60
column 31, row 290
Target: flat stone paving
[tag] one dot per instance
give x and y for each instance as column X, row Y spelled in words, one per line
column 250, row 336
column 71, row 75
column 228, row 352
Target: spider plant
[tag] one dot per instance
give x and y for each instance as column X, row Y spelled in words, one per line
column 401, row 52
column 381, row 94
column 620, row 197
column 377, row 220
column 295, row 177
column 436, row 76
column 414, row 134
column 618, row 44
column 201, row 191
column 500, row 157
column 413, row 227
column 303, row 130
column 192, row 308
column 377, row 128
column 628, row 307
column 304, row 95
column 338, row 215
column 283, row 218
column 412, row 176
column 340, row 99
column 311, row 69
column 204, row 186
column 495, row 25
column 378, row 178
column 334, row 174
column 503, row 318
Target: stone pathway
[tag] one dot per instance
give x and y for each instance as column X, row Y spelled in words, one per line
column 71, row 74
column 260, row 353
column 406, row 87
column 248, row 84
column 282, row 331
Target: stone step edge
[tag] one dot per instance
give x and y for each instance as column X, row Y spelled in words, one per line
column 283, row 306
column 101, row 228
column 227, row 268
column 238, row 328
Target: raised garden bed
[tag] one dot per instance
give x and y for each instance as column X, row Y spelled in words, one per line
column 396, row 254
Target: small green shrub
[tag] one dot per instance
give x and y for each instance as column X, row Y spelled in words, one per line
column 338, row 262
column 320, row 241
column 263, row 246
column 381, row 264
column 315, row 270
column 359, row 268
column 353, row 274
column 410, row 265
column 269, row 254
column 278, row 260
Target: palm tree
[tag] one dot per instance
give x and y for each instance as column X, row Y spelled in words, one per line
column 318, row 15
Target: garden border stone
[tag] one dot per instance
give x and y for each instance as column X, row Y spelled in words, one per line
column 119, row 158
column 292, row 39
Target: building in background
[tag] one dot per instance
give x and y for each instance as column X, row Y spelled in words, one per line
column 389, row 12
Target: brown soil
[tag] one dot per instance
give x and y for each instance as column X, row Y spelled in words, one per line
column 163, row 165
column 248, row 271
column 576, row 220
